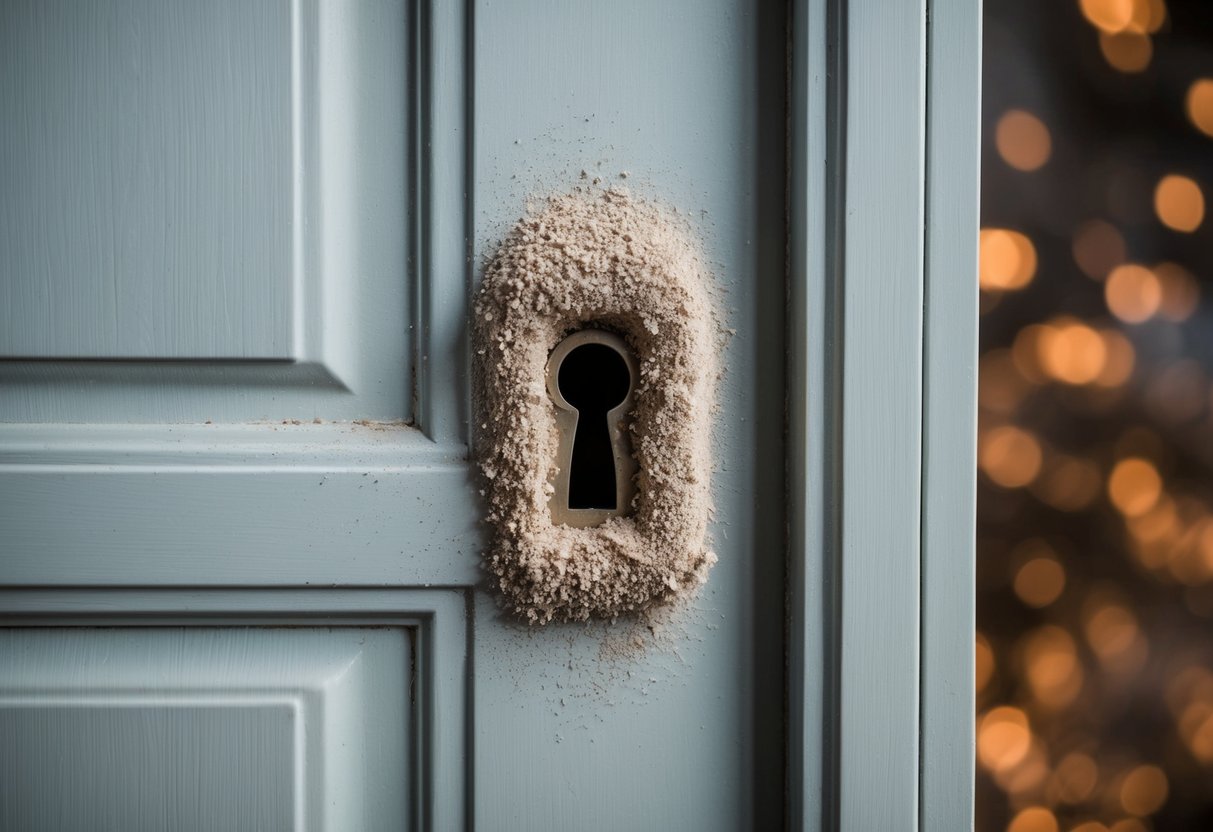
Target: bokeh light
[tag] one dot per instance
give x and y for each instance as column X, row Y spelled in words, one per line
column 1127, row 51
column 1095, row 439
column 1199, row 105
column 1134, row 486
column 1144, row 790
column 1009, row 456
column 1023, row 140
column 1179, row 203
column 1007, row 259
column 1133, row 293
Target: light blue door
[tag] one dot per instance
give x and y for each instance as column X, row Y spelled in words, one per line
column 241, row 538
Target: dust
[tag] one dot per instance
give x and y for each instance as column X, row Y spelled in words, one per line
column 606, row 259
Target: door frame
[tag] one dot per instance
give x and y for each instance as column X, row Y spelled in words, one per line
column 882, row 334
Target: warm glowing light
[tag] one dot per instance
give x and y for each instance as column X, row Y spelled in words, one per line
column 1196, row 728
column 1098, row 248
column 1204, row 544
column 1009, row 456
column 1089, row 826
column 1134, row 486
column 1111, row 631
column 1148, row 16
column 1132, row 293
column 1071, row 352
column 1120, row 359
column 1179, row 203
column 1051, row 666
column 1006, row 259
column 1180, row 291
column 1033, row 819
column 1039, row 582
column 1200, row 105
column 1108, row 15
column 1022, row 140
column 1129, row 52
column 1003, row 738
column 1026, row 776
column 1075, row 778
column 983, row 665
column 1144, row 790
column 1128, row 825
column 1156, row 525
column 1025, row 352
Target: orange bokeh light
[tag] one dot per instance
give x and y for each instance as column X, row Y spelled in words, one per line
column 1129, row 52
column 1199, row 104
column 1033, row 819
column 1022, row 140
column 1006, row 259
column 1009, row 456
column 1040, row 581
column 1180, row 291
column 1003, row 738
column 1133, row 293
column 1144, row 790
column 1134, row 486
column 1071, row 352
column 1108, row 15
column 1075, row 778
column 1179, row 203
column 984, row 662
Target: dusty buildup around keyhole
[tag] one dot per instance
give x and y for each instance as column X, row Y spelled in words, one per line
column 604, row 260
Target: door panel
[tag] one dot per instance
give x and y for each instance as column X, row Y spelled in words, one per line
column 131, row 729
column 206, row 211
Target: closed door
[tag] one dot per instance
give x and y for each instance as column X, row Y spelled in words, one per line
column 242, row 531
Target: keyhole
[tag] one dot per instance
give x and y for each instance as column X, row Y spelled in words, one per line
column 593, row 378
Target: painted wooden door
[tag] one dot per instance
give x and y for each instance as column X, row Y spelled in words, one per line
column 240, row 531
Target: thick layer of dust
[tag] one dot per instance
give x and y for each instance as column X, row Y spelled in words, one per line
column 606, row 259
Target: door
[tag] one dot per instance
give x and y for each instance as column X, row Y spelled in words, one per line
column 242, row 563
column 242, row 535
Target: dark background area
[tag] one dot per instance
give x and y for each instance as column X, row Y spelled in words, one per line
column 1095, row 500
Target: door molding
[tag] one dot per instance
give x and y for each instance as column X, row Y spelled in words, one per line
column 436, row 619
column 882, row 415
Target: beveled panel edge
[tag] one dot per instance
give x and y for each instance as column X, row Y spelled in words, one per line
column 442, row 214
column 284, row 445
column 442, row 651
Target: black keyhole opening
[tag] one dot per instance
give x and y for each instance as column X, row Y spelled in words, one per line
column 593, row 378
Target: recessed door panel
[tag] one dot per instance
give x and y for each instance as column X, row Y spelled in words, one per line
column 131, row 729
column 203, row 211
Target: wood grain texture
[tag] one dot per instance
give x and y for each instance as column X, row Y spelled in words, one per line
column 131, row 729
column 434, row 621
column 950, row 413
column 208, row 212
column 882, row 414
column 145, row 151
column 573, row 728
column 240, row 505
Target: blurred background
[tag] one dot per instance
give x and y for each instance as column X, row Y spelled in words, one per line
column 1095, row 501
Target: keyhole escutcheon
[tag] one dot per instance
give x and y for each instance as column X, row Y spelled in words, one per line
column 591, row 376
